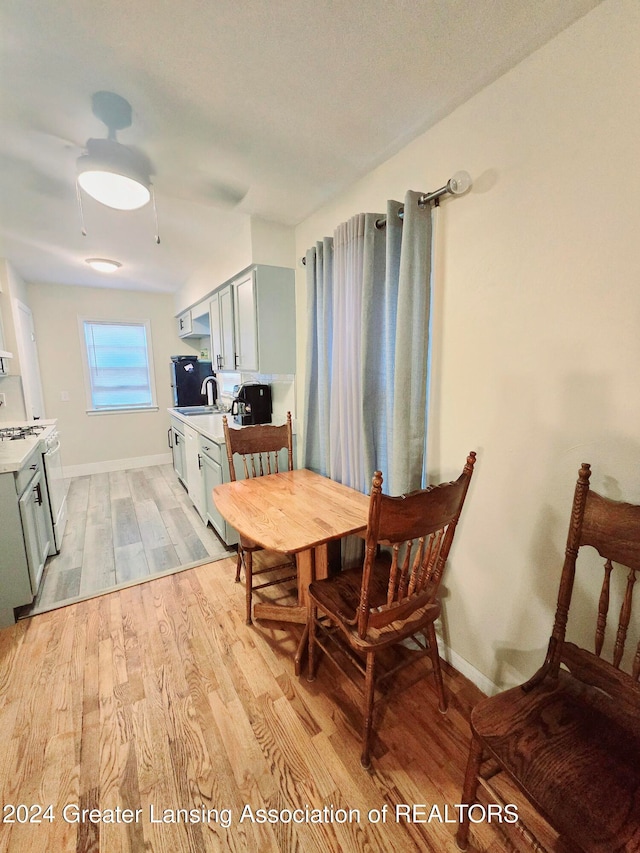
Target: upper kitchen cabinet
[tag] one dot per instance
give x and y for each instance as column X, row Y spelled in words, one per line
column 222, row 335
column 184, row 324
column 194, row 322
column 253, row 322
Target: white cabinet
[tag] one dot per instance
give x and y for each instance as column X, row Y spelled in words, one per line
column 222, row 334
column 26, row 536
column 184, row 324
column 194, row 323
column 35, row 527
column 253, row 322
column 176, row 443
column 216, row 471
column 194, row 475
column 245, row 323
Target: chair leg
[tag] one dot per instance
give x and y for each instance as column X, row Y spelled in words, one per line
column 437, row 669
column 248, row 579
column 312, row 658
column 238, row 564
column 469, row 792
column 369, row 689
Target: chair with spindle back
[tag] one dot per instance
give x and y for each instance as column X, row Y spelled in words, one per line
column 390, row 600
column 570, row 737
column 259, row 447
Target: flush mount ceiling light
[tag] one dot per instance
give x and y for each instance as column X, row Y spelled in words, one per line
column 103, row 265
column 113, row 174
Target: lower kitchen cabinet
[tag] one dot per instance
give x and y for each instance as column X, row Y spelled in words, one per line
column 177, row 445
column 35, row 527
column 27, row 536
column 201, row 463
column 193, row 464
column 215, row 470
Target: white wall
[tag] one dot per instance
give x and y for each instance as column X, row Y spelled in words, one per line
column 11, row 287
column 94, row 441
column 221, row 267
column 537, row 309
column 250, row 240
column 272, row 244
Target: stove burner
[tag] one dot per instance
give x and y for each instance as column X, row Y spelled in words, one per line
column 16, row 433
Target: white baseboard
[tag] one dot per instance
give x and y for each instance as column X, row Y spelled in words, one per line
column 463, row 666
column 115, row 465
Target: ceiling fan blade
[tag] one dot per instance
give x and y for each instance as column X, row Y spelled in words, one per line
column 28, row 175
column 223, row 193
column 210, row 193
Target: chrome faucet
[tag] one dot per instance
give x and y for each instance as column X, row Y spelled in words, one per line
column 208, row 389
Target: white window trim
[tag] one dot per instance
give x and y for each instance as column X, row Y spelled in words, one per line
column 90, row 410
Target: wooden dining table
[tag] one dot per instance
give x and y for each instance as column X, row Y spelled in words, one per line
column 295, row 512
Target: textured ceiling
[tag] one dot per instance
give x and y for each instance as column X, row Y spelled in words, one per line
column 243, row 108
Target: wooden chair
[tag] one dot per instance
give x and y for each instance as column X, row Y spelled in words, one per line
column 359, row 613
column 570, row 737
column 259, row 447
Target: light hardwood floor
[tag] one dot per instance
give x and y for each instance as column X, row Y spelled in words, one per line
column 159, row 695
column 124, row 526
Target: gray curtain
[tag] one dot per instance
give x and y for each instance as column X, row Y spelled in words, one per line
column 368, row 346
column 319, row 267
column 410, row 376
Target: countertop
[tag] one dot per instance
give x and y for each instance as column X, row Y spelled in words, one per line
column 13, row 454
column 211, row 425
column 208, row 425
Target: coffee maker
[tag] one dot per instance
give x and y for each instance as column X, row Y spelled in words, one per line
column 251, row 403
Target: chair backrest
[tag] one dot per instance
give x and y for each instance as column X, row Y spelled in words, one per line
column 259, row 447
column 613, row 529
column 419, row 528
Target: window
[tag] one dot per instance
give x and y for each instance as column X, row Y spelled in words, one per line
column 119, row 366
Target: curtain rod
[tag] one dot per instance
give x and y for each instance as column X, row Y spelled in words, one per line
column 457, row 184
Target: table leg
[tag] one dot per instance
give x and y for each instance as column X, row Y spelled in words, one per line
column 306, row 573
column 301, row 651
column 312, row 564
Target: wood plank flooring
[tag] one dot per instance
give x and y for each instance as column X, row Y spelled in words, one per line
column 123, row 527
column 158, row 696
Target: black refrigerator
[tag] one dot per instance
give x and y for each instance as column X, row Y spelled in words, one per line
column 187, row 376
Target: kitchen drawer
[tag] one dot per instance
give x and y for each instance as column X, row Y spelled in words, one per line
column 211, row 449
column 27, row 471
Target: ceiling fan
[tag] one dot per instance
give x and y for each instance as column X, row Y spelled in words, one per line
column 119, row 176
column 116, row 175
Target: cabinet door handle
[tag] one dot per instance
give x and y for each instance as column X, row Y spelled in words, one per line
column 177, row 439
column 181, row 321
column 38, row 494
column 170, row 443
column 235, row 359
column 199, row 461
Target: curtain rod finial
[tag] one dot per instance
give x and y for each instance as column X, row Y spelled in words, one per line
column 459, row 183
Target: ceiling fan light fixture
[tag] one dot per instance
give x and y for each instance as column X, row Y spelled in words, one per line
column 103, row 265
column 117, row 191
column 114, row 175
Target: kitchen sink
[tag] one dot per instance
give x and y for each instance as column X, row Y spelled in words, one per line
column 199, row 410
